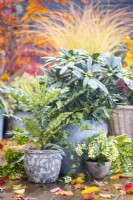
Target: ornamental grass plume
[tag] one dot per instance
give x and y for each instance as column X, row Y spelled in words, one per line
column 94, row 28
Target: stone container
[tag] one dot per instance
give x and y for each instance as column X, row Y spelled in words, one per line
column 42, row 166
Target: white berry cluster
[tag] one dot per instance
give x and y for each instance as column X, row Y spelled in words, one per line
column 102, row 146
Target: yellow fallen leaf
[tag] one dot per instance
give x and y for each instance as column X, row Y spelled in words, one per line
column 81, row 175
column 78, row 180
column 89, row 190
column 116, row 176
column 18, row 187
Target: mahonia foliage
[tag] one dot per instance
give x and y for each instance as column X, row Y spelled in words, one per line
column 47, row 108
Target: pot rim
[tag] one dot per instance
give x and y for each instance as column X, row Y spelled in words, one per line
column 124, row 106
column 35, row 151
column 107, row 161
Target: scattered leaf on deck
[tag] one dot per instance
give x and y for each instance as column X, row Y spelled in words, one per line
column 89, row 190
column 108, row 196
column 89, row 197
column 64, row 193
column 118, row 186
column 122, row 192
column 59, row 191
column 2, row 188
column 78, row 180
column 56, row 190
column 128, row 188
column 21, row 191
column 25, row 198
column 116, row 176
column 99, row 183
column 2, row 181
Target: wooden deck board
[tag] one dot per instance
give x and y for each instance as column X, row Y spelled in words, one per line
column 42, row 191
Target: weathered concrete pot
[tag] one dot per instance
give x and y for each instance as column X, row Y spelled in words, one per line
column 42, row 166
column 78, row 136
column 97, row 171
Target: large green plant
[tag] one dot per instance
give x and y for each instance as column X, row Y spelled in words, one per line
column 93, row 77
column 47, row 109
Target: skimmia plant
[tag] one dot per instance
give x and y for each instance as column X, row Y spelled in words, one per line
column 92, row 80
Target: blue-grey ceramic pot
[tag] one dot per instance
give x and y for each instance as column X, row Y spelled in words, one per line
column 42, row 166
column 97, row 171
column 78, row 136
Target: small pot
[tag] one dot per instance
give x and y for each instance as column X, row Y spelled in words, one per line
column 42, row 166
column 97, row 171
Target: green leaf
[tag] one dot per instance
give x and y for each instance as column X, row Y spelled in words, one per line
column 89, row 63
column 63, row 50
column 95, row 55
column 63, row 69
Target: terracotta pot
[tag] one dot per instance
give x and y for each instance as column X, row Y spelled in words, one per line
column 97, row 171
column 42, row 166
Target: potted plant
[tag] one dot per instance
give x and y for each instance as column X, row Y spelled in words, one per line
column 92, row 81
column 43, row 162
column 15, row 107
column 123, row 115
column 98, row 151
